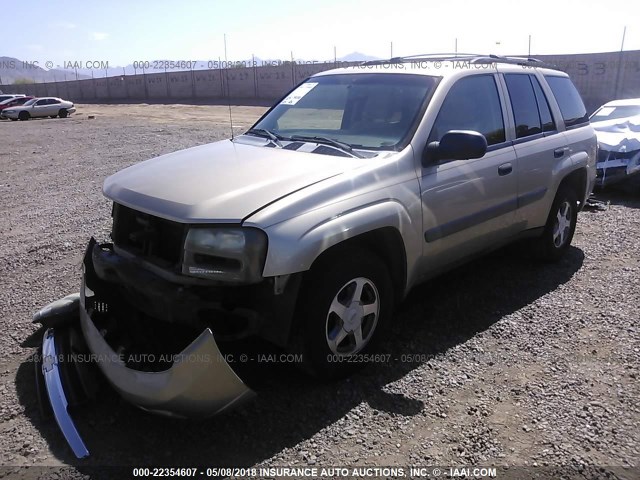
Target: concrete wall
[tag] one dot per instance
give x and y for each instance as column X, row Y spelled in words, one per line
column 600, row 77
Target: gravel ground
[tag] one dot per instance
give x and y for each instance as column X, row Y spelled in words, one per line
column 504, row 362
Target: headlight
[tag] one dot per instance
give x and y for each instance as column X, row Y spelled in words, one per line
column 234, row 255
column 9, row 111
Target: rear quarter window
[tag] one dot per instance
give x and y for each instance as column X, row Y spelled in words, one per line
column 571, row 106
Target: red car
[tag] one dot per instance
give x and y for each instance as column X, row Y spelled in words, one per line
column 13, row 102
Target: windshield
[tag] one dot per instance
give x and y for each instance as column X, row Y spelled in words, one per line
column 30, row 102
column 611, row 113
column 370, row 111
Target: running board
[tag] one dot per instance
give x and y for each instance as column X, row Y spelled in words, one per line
column 55, row 392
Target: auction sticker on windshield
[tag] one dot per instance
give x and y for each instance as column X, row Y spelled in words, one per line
column 295, row 96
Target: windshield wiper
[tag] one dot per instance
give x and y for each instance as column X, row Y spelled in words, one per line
column 263, row 132
column 345, row 147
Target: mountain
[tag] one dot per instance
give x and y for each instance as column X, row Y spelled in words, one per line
column 12, row 69
column 357, row 57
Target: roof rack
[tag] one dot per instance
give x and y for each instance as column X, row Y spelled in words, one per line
column 467, row 57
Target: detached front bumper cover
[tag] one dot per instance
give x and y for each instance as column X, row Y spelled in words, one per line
column 200, row 383
column 55, row 392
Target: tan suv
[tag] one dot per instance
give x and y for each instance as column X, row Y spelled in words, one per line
column 308, row 229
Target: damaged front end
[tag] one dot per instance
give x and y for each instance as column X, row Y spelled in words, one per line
column 615, row 166
column 618, row 150
column 158, row 366
column 151, row 339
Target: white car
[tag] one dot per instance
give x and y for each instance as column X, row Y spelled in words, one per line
column 40, row 107
column 8, row 96
column 617, row 125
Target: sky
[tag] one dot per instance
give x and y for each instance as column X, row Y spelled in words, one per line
column 123, row 31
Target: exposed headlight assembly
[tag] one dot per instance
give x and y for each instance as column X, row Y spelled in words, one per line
column 233, row 255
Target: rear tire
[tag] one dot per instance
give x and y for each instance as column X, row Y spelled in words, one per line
column 53, row 116
column 345, row 302
column 13, row 119
column 24, row 116
column 63, row 113
column 560, row 226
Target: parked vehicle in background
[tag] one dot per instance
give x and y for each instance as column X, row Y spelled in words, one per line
column 40, row 107
column 616, row 109
column 13, row 102
column 617, row 125
column 8, row 96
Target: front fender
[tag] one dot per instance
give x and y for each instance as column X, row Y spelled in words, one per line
column 295, row 244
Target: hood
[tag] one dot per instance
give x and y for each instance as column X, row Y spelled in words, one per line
column 619, row 135
column 220, row 182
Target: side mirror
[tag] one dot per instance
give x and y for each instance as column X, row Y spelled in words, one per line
column 456, row 145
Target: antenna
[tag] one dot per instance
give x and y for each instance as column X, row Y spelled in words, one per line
column 226, row 74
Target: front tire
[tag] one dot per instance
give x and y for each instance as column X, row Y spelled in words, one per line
column 345, row 302
column 63, row 113
column 560, row 226
column 24, row 116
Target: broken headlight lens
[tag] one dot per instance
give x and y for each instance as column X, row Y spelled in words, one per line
column 234, row 255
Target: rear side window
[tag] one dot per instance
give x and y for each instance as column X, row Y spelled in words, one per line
column 569, row 101
column 548, row 125
column 472, row 104
column 524, row 105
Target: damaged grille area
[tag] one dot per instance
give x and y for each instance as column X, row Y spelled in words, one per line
column 141, row 345
column 155, row 239
column 605, row 155
column 147, row 320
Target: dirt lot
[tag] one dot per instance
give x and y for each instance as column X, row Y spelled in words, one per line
column 504, row 362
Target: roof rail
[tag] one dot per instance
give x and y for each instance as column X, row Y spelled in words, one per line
column 469, row 57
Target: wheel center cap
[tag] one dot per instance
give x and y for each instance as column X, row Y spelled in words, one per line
column 353, row 317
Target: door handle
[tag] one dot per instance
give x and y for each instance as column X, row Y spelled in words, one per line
column 559, row 152
column 505, row 169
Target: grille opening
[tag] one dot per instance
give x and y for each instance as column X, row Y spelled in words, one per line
column 142, row 342
column 155, row 239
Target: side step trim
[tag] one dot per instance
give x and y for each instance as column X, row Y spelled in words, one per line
column 59, row 404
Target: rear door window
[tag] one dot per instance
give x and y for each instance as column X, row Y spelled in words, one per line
column 548, row 124
column 524, row 105
column 571, row 106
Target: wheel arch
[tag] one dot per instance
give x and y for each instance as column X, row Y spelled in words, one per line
column 386, row 243
column 385, row 228
column 576, row 180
